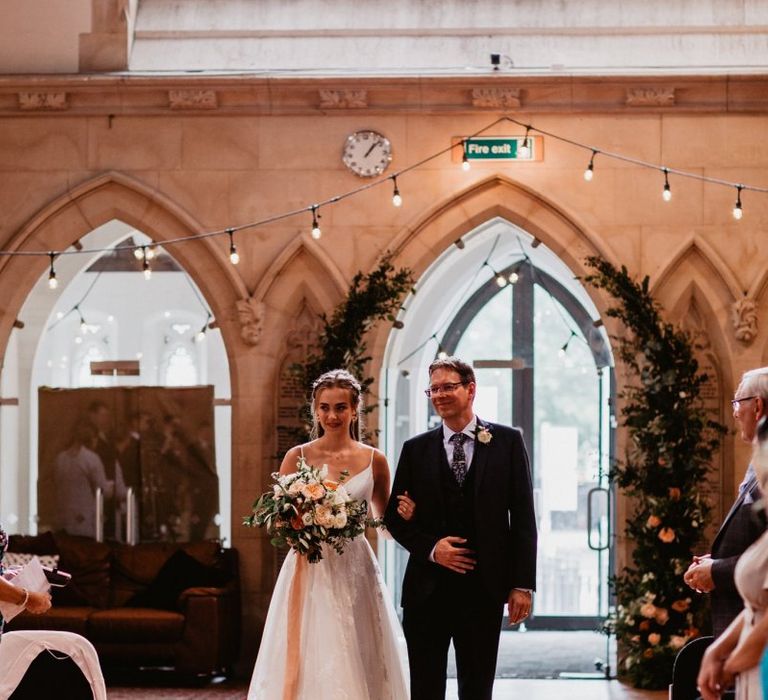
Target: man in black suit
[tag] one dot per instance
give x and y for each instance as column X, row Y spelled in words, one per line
column 472, row 538
column 713, row 573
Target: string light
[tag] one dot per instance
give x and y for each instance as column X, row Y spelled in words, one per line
column 397, row 200
column 83, row 324
column 200, row 335
column 666, row 193
column 316, row 232
column 738, row 212
column 589, row 173
column 145, row 266
column 535, row 243
column 234, row 257
column 525, row 150
column 459, row 243
column 52, row 281
column 513, row 277
column 561, row 352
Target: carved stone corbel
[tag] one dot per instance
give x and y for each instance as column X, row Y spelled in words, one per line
column 496, row 98
column 43, row 101
column 250, row 316
column 744, row 317
column 650, row 97
column 343, row 99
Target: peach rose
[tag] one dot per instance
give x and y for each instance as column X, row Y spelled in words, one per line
column 644, row 625
column 324, row 516
column 667, row 535
column 677, row 642
column 662, row 616
column 313, row 490
column 681, row 605
column 648, row 610
column 653, row 521
column 654, row 638
column 648, row 653
column 675, row 493
column 330, row 484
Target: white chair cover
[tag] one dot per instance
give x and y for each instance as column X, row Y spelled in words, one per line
column 19, row 649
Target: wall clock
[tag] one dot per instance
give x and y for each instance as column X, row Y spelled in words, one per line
column 367, row 153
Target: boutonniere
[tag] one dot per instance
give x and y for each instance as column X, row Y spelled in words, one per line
column 483, row 434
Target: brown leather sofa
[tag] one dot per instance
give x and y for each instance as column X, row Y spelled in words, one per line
column 152, row 604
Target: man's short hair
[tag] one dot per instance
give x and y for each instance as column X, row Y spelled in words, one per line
column 464, row 370
column 755, row 382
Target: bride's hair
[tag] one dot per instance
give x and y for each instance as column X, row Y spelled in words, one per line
column 338, row 379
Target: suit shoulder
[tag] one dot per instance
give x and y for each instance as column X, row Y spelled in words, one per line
column 502, row 429
column 420, row 438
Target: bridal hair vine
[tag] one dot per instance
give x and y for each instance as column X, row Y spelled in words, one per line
column 483, row 434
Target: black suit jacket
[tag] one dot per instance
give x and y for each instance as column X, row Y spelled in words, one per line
column 739, row 530
column 505, row 523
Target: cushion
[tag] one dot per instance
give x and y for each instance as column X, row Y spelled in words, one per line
column 44, row 543
column 180, row 572
column 136, row 566
column 89, row 563
column 23, row 558
column 135, row 625
column 65, row 619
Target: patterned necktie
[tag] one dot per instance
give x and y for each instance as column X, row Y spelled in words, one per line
column 459, row 461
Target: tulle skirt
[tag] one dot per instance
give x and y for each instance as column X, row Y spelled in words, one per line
column 331, row 632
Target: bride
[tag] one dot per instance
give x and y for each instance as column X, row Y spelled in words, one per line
column 331, row 631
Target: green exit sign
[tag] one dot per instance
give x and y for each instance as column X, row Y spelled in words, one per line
column 502, row 148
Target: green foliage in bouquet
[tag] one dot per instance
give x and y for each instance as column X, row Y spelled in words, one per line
column 670, row 448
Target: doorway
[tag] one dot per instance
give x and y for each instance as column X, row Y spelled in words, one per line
column 502, row 301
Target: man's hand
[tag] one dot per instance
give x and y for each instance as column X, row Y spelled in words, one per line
column 449, row 554
column 38, row 603
column 519, row 605
column 699, row 574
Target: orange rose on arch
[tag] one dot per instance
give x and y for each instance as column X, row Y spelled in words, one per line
column 681, row 605
column 675, row 493
column 667, row 535
column 653, row 521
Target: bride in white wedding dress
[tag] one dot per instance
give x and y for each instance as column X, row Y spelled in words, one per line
column 331, row 631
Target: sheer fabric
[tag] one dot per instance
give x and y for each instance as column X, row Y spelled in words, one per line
column 350, row 643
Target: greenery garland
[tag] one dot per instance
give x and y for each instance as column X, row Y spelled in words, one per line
column 670, row 448
column 372, row 297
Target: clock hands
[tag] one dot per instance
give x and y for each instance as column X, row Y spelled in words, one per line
column 373, row 145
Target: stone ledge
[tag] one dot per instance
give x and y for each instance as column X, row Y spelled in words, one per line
column 256, row 95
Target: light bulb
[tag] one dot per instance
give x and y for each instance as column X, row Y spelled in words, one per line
column 442, row 355
column 465, row 163
column 316, row 232
column 234, row 257
column 83, row 326
column 524, row 151
column 666, row 194
column 589, row 173
column 200, row 337
column 149, row 253
column 52, row 281
column 397, row 200
column 561, row 352
column 501, row 280
column 138, row 253
column 147, row 274
column 738, row 212
column 513, row 277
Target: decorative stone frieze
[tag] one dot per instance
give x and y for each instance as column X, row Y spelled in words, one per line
column 343, row 99
column 250, row 316
column 650, row 97
column 192, row 99
column 496, row 98
column 43, row 101
column 744, row 317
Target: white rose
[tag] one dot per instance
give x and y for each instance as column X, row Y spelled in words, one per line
column 341, row 496
column 295, row 487
column 307, row 518
column 340, row 520
column 676, row 641
column 277, row 491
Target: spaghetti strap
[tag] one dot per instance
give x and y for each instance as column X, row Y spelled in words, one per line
column 370, row 464
column 301, row 451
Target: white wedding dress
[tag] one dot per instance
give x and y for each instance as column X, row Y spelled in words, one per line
column 350, row 644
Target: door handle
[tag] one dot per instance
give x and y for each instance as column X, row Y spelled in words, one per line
column 592, row 495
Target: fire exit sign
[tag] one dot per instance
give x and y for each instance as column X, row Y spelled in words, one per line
column 495, row 148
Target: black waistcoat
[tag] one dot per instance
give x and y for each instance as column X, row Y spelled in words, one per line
column 460, row 518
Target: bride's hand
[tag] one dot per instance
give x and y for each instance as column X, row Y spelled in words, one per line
column 406, row 506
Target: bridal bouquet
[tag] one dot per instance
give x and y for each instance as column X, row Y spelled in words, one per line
column 306, row 509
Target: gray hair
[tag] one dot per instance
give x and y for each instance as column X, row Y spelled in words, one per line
column 755, row 382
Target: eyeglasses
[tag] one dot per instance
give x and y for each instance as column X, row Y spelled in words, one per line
column 448, row 388
column 735, row 402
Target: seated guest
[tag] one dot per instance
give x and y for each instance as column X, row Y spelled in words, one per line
column 35, row 603
column 714, row 573
column 737, row 652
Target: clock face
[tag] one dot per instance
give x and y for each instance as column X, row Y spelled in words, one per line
column 367, row 153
